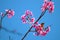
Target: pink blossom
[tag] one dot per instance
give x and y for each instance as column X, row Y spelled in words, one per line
column 48, row 5
column 27, row 17
column 28, row 12
column 23, row 18
column 32, row 20
column 51, row 6
column 48, row 29
column 39, row 28
column 10, row 13
column 41, row 31
column 35, row 25
column 44, row 7
column 45, row 32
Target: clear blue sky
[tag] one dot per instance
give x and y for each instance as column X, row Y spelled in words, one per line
column 19, row 6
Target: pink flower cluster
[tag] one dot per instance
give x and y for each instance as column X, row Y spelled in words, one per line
column 48, row 5
column 27, row 17
column 10, row 13
column 40, row 31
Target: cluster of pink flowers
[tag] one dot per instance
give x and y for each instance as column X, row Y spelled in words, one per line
column 10, row 13
column 39, row 28
column 27, row 17
column 40, row 31
column 48, row 5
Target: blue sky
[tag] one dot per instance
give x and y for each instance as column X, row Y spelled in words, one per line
column 15, row 23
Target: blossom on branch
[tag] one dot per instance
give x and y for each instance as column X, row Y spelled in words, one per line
column 48, row 5
column 28, row 13
column 10, row 13
column 40, row 30
column 23, row 18
column 27, row 17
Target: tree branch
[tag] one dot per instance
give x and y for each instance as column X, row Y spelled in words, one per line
column 5, row 28
column 34, row 23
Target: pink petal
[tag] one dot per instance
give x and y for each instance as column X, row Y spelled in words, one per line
column 28, row 12
column 9, row 16
column 10, row 13
column 48, row 29
column 23, row 17
column 44, row 6
column 44, row 33
column 32, row 20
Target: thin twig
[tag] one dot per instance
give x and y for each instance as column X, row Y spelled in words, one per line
column 2, row 19
column 32, row 31
column 3, row 16
column 11, row 31
column 5, row 28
